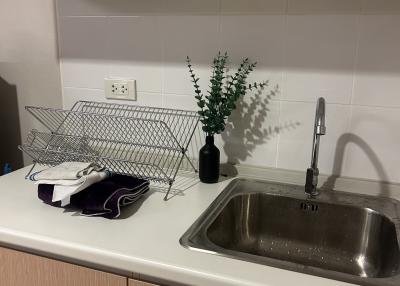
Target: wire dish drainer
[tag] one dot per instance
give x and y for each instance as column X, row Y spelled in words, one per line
column 145, row 142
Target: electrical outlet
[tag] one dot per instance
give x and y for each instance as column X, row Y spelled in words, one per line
column 120, row 88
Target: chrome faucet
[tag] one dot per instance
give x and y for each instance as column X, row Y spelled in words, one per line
column 319, row 129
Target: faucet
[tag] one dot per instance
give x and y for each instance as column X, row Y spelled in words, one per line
column 319, row 129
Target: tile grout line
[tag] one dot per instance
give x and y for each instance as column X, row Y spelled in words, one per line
column 278, row 141
column 102, row 89
column 108, row 50
column 272, row 100
column 352, row 105
column 341, row 104
column 163, row 59
column 352, row 95
column 60, row 59
column 81, row 16
column 283, row 78
column 220, row 25
column 363, row 7
column 345, row 154
column 356, row 55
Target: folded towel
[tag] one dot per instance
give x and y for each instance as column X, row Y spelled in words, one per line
column 64, row 193
column 66, row 171
column 69, row 178
column 63, row 182
column 103, row 198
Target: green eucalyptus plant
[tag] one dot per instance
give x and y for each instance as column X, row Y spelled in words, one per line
column 225, row 90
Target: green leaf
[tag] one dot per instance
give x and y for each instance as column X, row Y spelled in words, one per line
column 223, row 93
column 207, row 129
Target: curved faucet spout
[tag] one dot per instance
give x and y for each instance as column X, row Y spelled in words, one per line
column 319, row 129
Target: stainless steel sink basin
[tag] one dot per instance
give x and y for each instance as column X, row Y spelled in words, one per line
column 343, row 236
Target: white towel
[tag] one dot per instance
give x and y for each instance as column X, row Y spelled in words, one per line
column 66, row 171
column 63, row 193
column 62, row 182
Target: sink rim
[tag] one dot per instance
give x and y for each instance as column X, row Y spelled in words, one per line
column 195, row 238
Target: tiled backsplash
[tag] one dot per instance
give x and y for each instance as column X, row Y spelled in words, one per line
column 346, row 51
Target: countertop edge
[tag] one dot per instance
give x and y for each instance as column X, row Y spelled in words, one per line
column 73, row 253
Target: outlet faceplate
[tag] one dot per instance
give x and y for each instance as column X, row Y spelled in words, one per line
column 124, row 89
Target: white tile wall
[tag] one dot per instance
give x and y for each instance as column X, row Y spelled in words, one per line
column 179, row 101
column 135, row 47
column 261, row 39
column 381, row 6
column 325, row 6
column 253, row 6
column 193, row 36
column 192, row 7
column 296, row 140
column 84, row 54
column 251, row 135
column 377, row 82
column 72, row 95
column 136, row 7
column 319, row 58
column 372, row 148
column 346, row 51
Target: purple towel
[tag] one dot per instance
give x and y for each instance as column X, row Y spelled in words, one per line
column 103, row 198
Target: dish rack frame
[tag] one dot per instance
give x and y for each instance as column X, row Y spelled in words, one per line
column 146, row 142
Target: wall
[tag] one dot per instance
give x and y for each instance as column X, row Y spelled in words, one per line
column 29, row 70
column 346, row 51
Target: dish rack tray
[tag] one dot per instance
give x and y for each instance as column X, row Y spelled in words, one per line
column 146, row 142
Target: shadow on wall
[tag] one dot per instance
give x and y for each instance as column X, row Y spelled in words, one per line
column 10, row 126
column 245, row 127
column 342, row 142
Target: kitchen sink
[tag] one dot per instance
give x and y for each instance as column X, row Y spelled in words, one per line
column 343, row 236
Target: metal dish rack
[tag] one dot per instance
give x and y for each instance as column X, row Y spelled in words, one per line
column 145, row 142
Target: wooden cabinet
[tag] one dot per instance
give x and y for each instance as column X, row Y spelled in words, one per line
column 139, row 283
column 23, row 269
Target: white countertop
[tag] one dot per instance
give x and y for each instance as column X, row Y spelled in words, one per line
column 147, row 242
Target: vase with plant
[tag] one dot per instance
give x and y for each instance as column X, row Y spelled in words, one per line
column 216, row 106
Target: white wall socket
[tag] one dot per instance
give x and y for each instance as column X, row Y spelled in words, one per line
column 124, row 89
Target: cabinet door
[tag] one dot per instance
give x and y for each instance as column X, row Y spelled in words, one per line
column 139, row 283
column 22, row 269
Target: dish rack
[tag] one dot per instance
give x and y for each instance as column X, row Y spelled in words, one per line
column 145, row 142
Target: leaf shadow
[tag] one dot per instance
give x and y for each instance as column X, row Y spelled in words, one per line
column 248, row 127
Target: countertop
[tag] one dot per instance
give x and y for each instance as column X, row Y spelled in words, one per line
column 147, row 242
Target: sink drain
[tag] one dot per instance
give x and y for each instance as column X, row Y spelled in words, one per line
column 305, row 206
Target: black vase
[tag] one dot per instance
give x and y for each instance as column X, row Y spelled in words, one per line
column 209, row 162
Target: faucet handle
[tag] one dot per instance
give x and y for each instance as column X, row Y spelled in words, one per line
column 320, row 130
column 310, row 186
column 309, row 179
